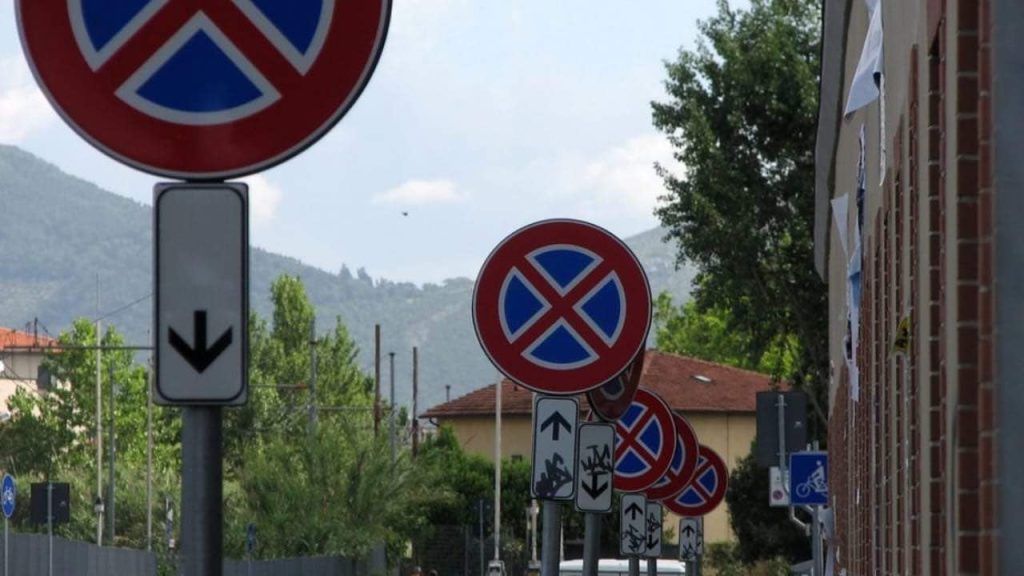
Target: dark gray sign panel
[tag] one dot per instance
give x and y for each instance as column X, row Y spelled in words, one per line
column 202, row 293
column 795, row 406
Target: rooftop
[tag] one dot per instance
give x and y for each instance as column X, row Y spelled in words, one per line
column 14, row 338
column 686, row 384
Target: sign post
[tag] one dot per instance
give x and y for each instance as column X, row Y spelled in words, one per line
column 691, row 542
column 808, row 486
column 633, row 530
column 7, row 499
column 562, row 307
column 652, row 548
column 594, row 487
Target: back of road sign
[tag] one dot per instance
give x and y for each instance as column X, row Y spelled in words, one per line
column 632, row 525
column 768, row 425
column 554, row 447
column 594, row 467
column 202, row 294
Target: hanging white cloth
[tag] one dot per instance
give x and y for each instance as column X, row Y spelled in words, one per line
column 864, row 88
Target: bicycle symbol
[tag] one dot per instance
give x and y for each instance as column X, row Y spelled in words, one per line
column 815, row 483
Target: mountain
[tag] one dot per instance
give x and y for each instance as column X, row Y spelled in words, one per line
column 60, row 236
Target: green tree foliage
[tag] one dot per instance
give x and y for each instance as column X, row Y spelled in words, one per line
column 763, row 532
column 741, row 117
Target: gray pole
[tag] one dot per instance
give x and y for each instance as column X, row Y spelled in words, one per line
column 781, row 404
column 415, row 401
column 49, row 521
column 312, row 379
column 480, row 506
column 391, row 416
column 202, row 536
column 591, row 542
column 550, row 537
column 634, row 566
column 816, row 544
column 6, row 551
column 111, row 463
column 99, row 422
column 652, row 567
column 497, row 471
column 376, row 380
column 149, row 457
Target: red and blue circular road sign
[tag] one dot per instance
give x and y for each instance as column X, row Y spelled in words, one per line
column 202, row 89
column 645, row 441
column 684, row 463
column 612, row 398
column 706, row 490
column 561, row 306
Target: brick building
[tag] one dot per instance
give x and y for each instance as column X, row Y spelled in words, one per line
column 917, row 146
column 718, row 401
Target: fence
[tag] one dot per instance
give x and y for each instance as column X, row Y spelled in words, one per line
column 30, row 556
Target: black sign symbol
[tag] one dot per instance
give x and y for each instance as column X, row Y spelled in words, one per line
column 633, row 510
column 688, row 530
column 634, row 539
column 556, row 474
column 555, row 421
column 595, row 466
column 653, row 526
column 198, row 355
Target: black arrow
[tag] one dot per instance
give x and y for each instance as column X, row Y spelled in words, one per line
column 593, row 488
column 198, row 355
column 688, row 530
column 556, row 420
column 651, row 543
column 633, row 510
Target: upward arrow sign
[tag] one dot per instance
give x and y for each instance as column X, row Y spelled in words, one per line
column 688, row 530
column 633, row 510
column 555, row 421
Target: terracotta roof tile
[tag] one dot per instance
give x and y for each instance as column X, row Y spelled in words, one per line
column 687, row 384
column 10, row 337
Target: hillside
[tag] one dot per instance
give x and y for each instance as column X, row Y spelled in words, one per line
column 59, row 233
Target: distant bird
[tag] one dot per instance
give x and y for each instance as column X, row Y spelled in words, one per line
column 405, row 213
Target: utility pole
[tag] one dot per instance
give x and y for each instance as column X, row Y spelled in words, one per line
column 415, row 396
column 391, row 419
column 497, row 471
column 149, row 456
column 99, row 423
column 376, row 380
column 113, row 455
column 312, row 379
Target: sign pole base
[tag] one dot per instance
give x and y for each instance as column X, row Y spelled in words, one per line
column 202, row 515
column 591, row 543
column 551, row 537
column 634, row 566
column 652, row 567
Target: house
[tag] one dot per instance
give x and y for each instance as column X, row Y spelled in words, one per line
column 718, row 401
column 21, row 358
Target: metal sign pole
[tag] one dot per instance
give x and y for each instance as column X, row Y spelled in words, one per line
column 6, row 549
column 634, row 566
column 816, row 542
column 551, row 537
column 49, row 522
column 202, row 539
column 591, row 542
column 652, row 567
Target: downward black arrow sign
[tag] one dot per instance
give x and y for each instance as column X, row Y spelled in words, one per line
column 633, row 510
column 198, row 355
column 593, row 488
column 651, row 543
column 554, row 421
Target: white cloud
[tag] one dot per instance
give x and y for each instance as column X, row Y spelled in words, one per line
column 264, row 197
column 420, row 192
column 619, row 183
column 23, row 108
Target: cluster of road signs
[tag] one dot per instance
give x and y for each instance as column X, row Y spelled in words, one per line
column 563, row 308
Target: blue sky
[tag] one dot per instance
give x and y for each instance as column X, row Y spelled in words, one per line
column 482, row 116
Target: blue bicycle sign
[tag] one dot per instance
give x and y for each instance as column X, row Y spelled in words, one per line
column 808, row 478
column 7, row 496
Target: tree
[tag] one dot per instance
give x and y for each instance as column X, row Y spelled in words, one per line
column 741, row 117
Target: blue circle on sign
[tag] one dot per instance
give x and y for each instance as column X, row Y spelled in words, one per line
column 7, row 495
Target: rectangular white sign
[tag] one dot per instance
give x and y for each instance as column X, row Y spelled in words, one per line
column 691, row 538
column 633, row 525
column 594, row 467
column 554, row 447
column 202, row 293
column 653, row 548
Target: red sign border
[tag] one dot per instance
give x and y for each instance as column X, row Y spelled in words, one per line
column 158, row 132
column 716, row 498
column 515, row 247
column 686, row 435
column 661, row 464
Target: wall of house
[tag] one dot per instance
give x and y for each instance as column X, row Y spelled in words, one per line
column 913, row 476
